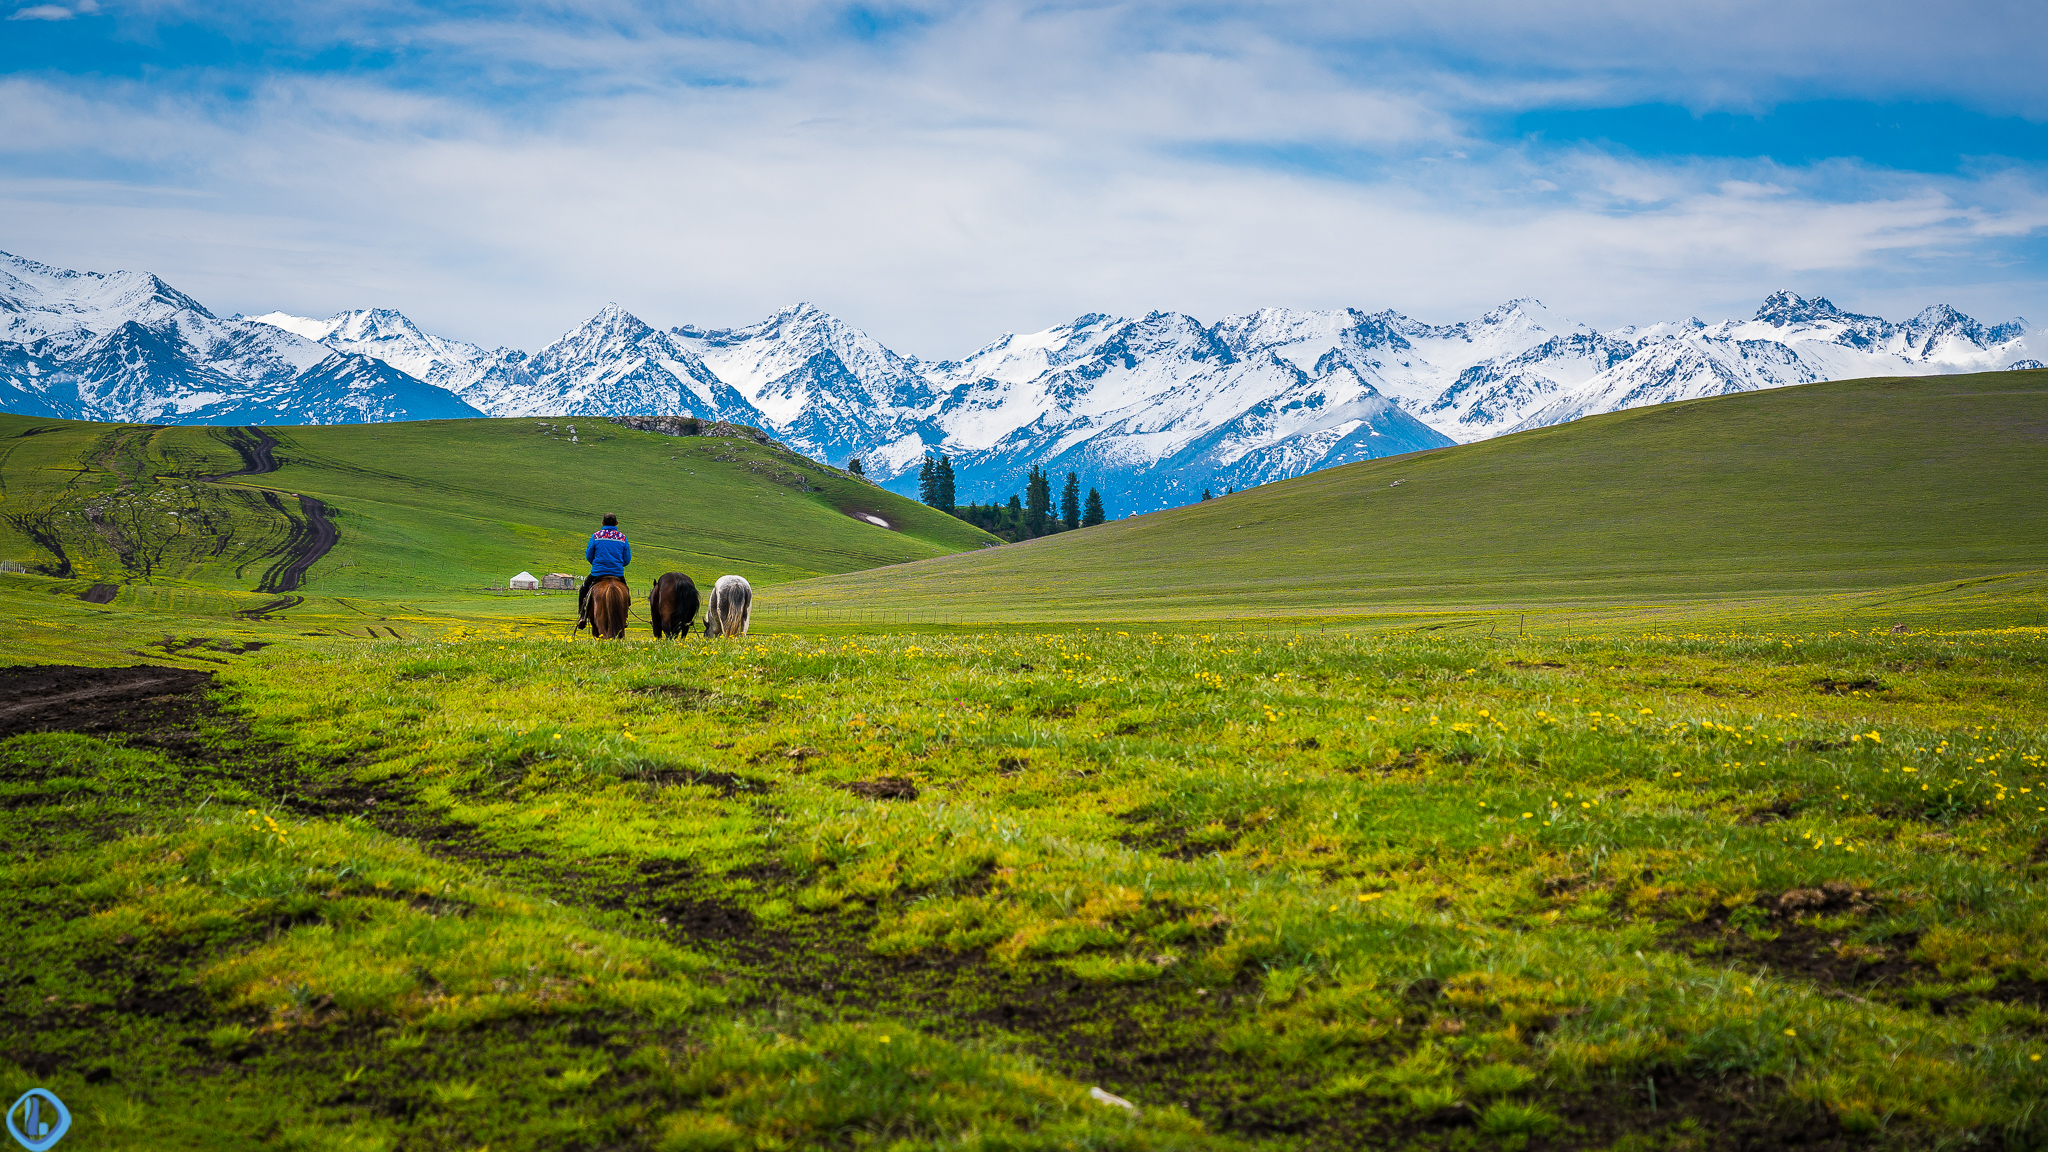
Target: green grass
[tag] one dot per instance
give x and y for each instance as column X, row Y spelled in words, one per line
column 1700, row 854
column 1811, row 491
column 1280, row 889
column 439, row 507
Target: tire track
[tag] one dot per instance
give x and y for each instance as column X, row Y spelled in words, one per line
column 310, row 539
column 312, row 535
column 253, row 445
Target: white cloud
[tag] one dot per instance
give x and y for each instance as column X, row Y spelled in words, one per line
column 44, row 12
column 1005, row 169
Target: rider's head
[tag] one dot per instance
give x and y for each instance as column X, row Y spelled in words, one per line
column 611, row 521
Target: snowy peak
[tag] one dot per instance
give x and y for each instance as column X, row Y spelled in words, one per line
column 1015, row 357
column 612, row 328
column 1782, row 309
column 828, row 387
column 97, row 301
column 128, row 346
column 389, row 335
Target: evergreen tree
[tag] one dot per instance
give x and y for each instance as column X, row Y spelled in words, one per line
column 1037, row 502
column 853, row 466
column 942, row 483
column 928, row 480
column 1016, row 516
column 1206, row 495
column 1091, row 514
column 1070, row 502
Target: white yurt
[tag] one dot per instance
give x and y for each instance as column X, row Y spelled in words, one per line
column 524, row 580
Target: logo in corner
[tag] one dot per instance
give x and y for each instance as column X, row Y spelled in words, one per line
column 38, row 1120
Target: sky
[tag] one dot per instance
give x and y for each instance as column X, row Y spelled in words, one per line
column 942, row 173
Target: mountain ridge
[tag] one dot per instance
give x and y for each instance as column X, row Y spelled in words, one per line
column 1153, row 409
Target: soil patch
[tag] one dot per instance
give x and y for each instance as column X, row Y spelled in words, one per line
column 885, row 788
column 1767, row 936
column 96, row 701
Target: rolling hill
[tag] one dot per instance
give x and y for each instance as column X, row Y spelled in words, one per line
column 432, row 506
column 1820, row 488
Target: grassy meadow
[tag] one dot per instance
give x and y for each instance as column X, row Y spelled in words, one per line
column 1682, row 862
column 1821, row 490
column 437, row 508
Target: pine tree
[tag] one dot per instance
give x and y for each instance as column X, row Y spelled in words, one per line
column 1091, row 513
column 1206, row 495
column 928, row 480
column 1037, row 502
column 1016, row 515
column 1070, row 502
column 853, row 466
column 942, row 485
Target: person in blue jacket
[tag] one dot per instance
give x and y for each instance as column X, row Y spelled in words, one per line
column 608, row 554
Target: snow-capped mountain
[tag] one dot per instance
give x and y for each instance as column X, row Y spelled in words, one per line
column 468, row 370
column 612, row 364
column 1150, row 410
column 129, row 347
column 823, row 385
column 1164, row 404
column 1790, row 340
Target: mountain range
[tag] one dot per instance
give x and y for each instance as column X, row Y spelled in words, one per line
column 1151, row 410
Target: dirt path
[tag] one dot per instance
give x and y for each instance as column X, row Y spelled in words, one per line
column 310, row 540
column 253, row 445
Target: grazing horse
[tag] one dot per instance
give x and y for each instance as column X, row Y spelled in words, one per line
column 732, row 607
column 609, row 600
column 672, row 605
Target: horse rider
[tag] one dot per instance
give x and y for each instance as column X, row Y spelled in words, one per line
column 608, row 554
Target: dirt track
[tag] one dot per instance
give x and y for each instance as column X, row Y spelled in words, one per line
column 310, row 539
column 94, row 700
column 254, row 445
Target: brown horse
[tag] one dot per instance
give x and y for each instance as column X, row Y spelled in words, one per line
column 672, row 605
column 609, row 600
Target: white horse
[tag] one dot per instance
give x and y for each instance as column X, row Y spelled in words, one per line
column 731, row 608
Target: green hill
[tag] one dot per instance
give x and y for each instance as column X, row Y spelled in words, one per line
column 432, row 506
column 1823, row 488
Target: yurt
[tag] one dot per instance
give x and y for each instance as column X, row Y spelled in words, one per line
column 524, row 581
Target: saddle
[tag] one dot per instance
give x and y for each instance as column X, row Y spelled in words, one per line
column 583, row 596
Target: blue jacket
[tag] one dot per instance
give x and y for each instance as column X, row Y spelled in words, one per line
column 608, row 553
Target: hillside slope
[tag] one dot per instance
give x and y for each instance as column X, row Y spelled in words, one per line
column 1815, row 488
column 432, row 505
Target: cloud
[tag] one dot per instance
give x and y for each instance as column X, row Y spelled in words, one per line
column 941, row 173
column 44, row 12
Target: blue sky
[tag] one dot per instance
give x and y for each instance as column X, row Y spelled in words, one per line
column 941, row 173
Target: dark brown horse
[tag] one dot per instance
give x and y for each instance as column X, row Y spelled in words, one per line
column 672, row 605
column 609, row 600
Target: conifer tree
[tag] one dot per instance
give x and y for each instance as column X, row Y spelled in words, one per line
column 1070, row 502
column 853, row 466
column 1037, row 502
column 928, row 480
column 1091, row 513
column 1016, row 513
column 942, row 483
column 1206, row 495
